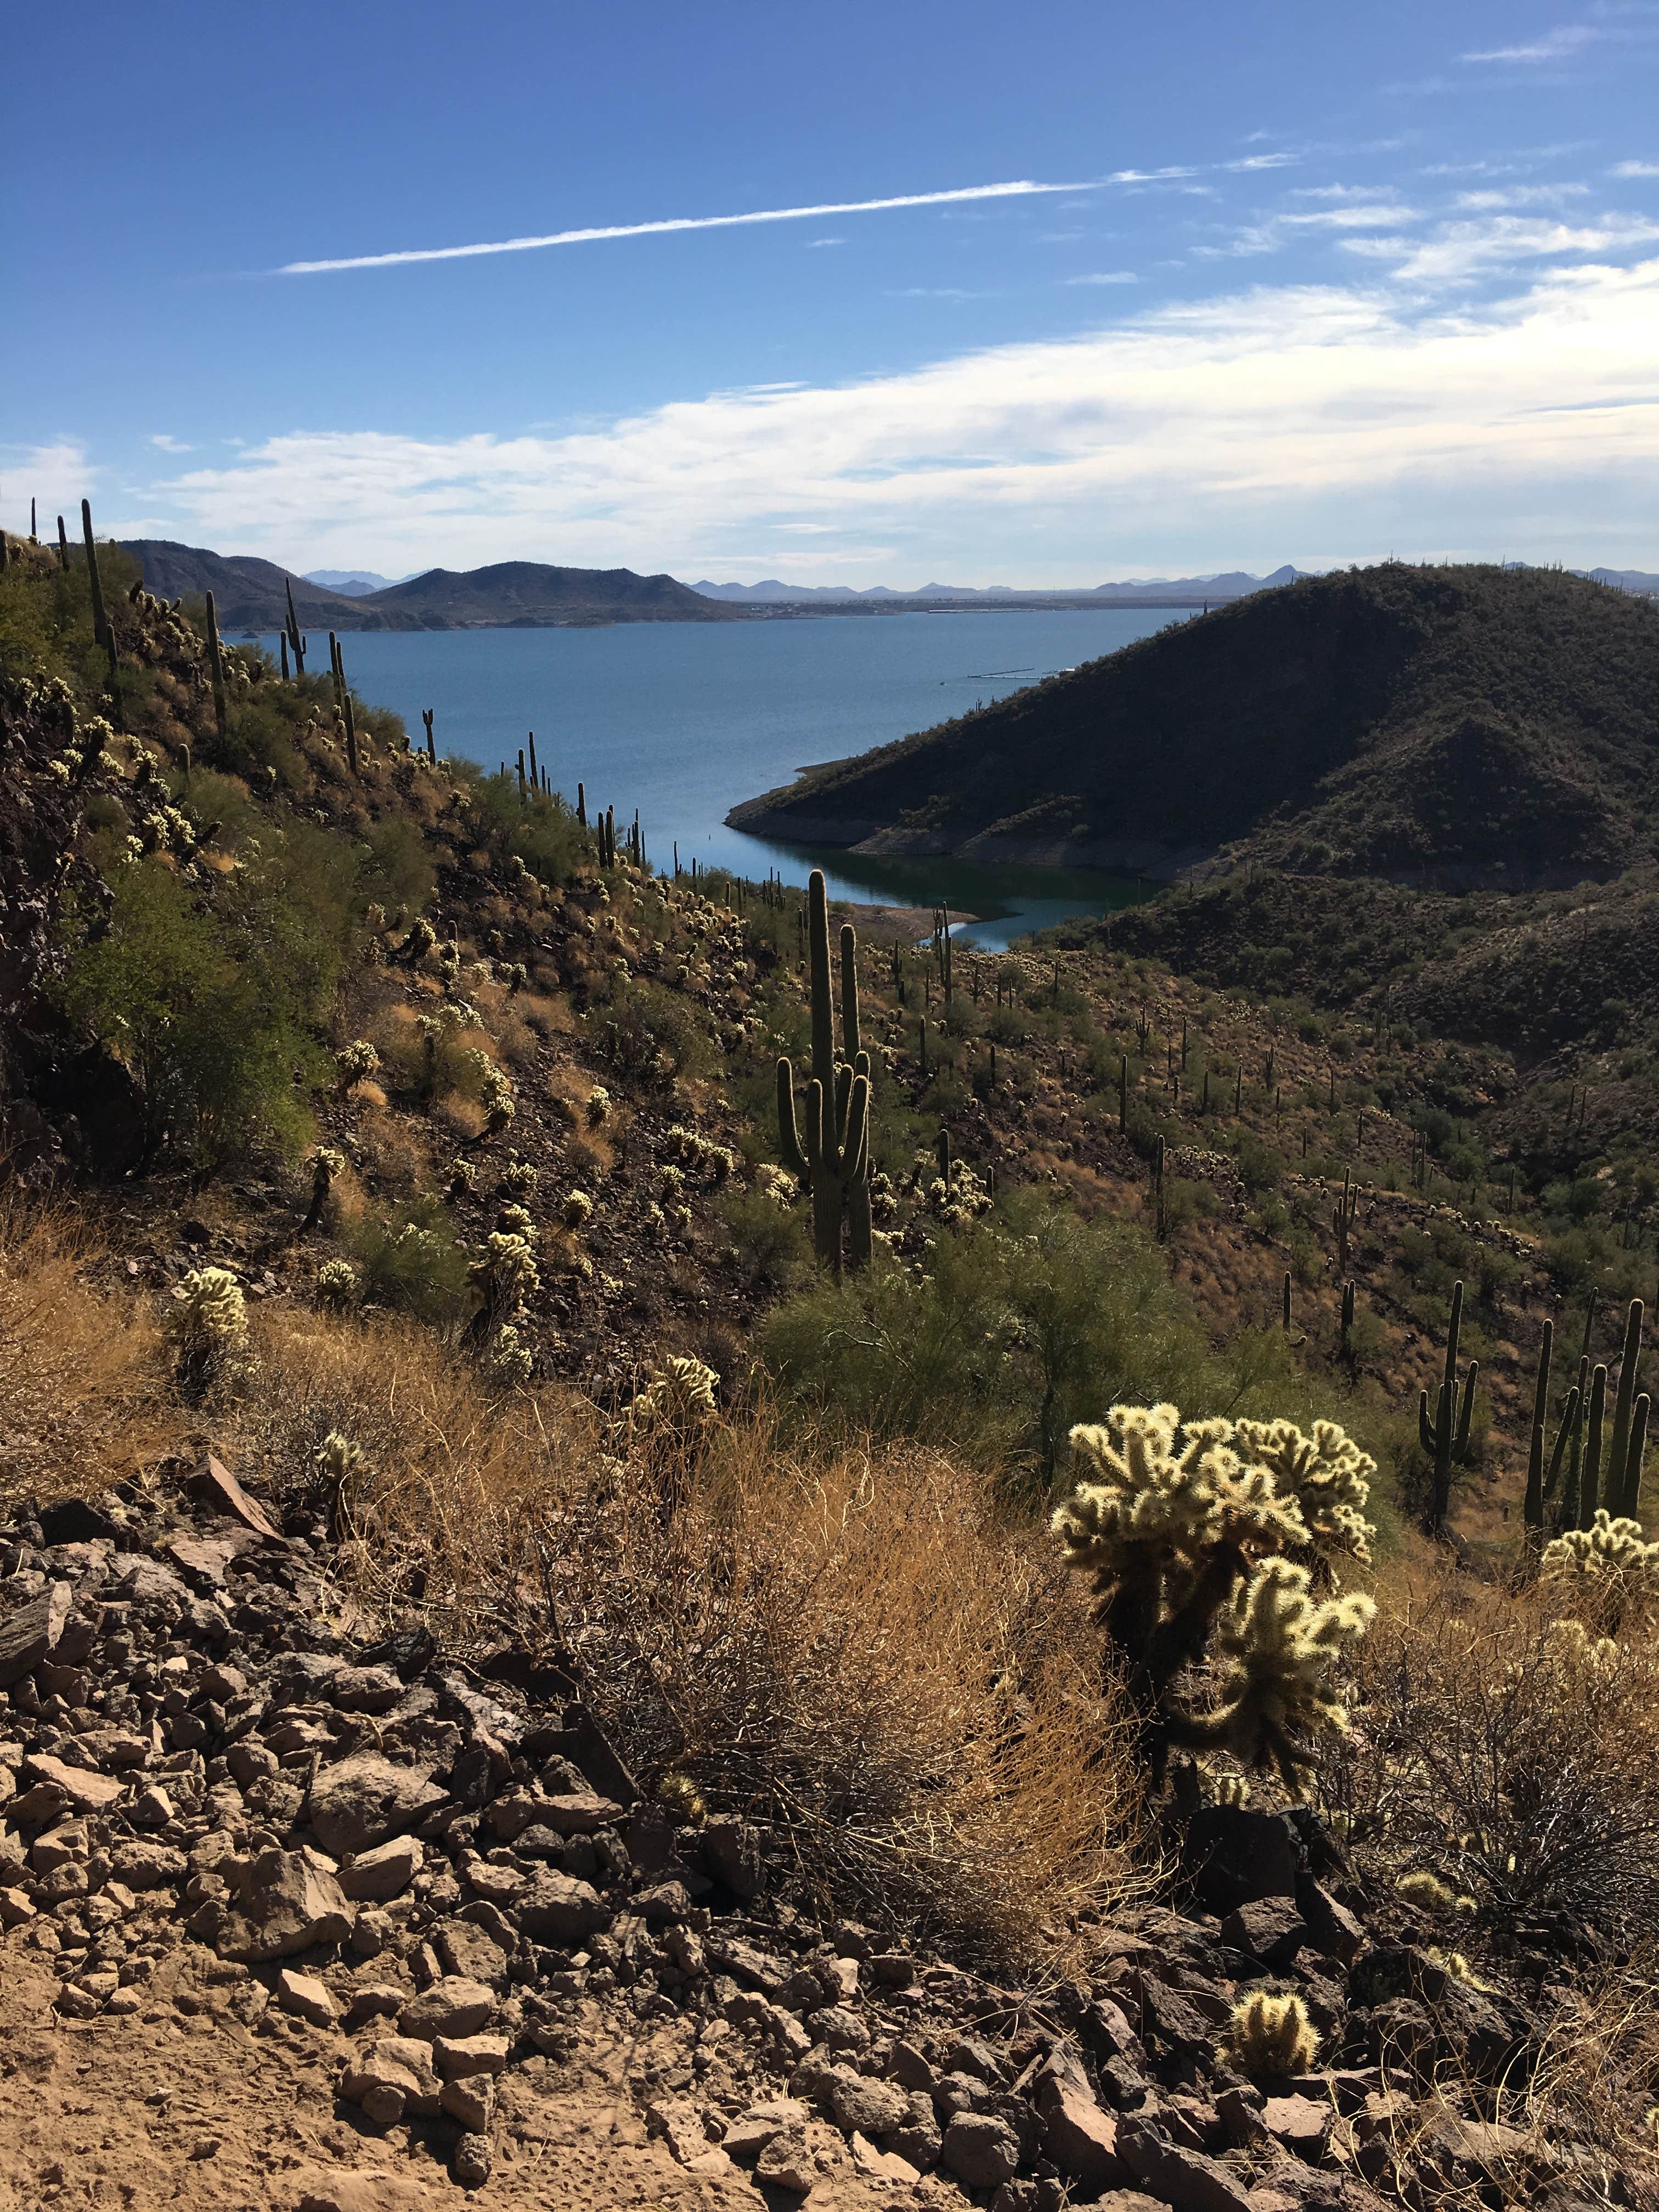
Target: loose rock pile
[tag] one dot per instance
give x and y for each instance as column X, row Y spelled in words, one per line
column 203, row 1744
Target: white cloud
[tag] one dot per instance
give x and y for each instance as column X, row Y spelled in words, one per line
column 1514, row 196
column 1232, row 427
column 57, row 476
column 166, row 444
column 1105, row 277
column 1344, row 193
column 1637, row 169
column 1458, row 251
column 826, row 242
column 1555, row 46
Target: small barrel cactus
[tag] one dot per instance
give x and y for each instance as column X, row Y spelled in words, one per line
column 1270, row 2037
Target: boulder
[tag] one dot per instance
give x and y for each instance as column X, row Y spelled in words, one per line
column 86, row 1790
column 359, row 1801
column 283, row 1902
column 579, row 1815
column 855, row 2100
column 384, row 1871
column 305, row 1997
column 557, row 1908
column 394, row 2067
column 29, row 1632
column 1080, row 2137
column 980, row 2150
column 1232, row 1856
column 458, row 2056
column 1188, row 2180
column 452, row 2007
column 215, row 1484
column 1270, row 1929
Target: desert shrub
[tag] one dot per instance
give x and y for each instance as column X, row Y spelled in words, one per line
column 398, row 870
column 651, row 1033
column 207, row 1012
column 772, row 1242
column 1016, row 1330
column 413, row 1261
column 1512, row 1755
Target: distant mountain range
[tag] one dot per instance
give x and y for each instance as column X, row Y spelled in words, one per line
column 1233, row 584
column 356, row 583
column 252, row 594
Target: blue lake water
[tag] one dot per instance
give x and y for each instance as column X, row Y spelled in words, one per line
column 682, row 720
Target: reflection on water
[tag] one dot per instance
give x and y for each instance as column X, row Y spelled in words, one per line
column 1008, row 901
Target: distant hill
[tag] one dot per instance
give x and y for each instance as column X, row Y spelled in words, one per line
column 250, row 594
column 1438, row 725
column 525, row 594
column 1230, row 586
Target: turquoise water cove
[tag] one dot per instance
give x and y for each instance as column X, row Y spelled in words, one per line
column 682, row 720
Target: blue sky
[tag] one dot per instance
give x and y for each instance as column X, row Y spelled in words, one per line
column 1316, row 284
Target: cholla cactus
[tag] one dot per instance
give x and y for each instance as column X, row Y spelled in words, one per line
column 495, row 1091
column 337, row 1283
column 511, row 1362
column 505, row 1276
column 1191, row 1545
column 354, row 1063
column 718, row 1163
column 777, row 1184
column 208, row 1325
column 516, row 1221
column 449, row 964
column 578, row 1210
column 338, row 1460
column 599, row 1107
column 679, row 1396
column 1605, row 1550
column 1271, row 2037
column 463, row 1177
column 1427, row 1891
column 420, row 941
column 325, row 1164
column 1327, row 1474
column 518, row 1179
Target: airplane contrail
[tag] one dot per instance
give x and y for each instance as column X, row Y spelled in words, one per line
column 1020, row 189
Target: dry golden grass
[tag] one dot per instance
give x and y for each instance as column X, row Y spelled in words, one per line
column 83, row 1401
column 859, row 1649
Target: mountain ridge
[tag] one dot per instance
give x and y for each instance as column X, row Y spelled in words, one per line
column 1441, row 726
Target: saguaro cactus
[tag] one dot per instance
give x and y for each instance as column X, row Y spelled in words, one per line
column 100, row 619
column 215, row 666
column 1619, row 1505
column 1542, row 1476
column 1446, row 1437
column 830, row 1154
column 294, row 636
column 1342, row 1221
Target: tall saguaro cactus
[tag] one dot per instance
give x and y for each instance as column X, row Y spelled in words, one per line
column 1543, row 1476
column 215, row 666
column 294, row 636
column 100, row 619
column 1619, row 1503
column 829, row 1153
column 1342, row 1221
column 1446, row 1437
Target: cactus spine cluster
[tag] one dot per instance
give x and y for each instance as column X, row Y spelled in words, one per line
column 1271, row 2038
column 1445, row 1437
column 830, row 1154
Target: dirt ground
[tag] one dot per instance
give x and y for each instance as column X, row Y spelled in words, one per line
column 187, row 2108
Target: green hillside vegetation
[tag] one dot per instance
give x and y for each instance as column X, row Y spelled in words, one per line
column 1440, row 726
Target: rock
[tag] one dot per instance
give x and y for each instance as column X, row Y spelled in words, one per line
column 1270, row 1929
column 88, row 1792
column 203, row 1560
column 753, row 2129
column 456, row 2056
column 471, row 2099
column 856, row 2101
column 453, row 2007
column 145, row 1865
column 731, row 1852
column 148, row 1583
column 881, row 2165
column 1483, row 2147
column 665, row 1902
column 305, row 1996
column 1188, row 2180
column 359, row 1801
column 787, row 2163
column 151, row 1808
column 1172, row 2020
column 557, row 1908
column 467, row 1950
column 1080, row 2137
column 911, row 2068
column 578, row 1815
column 980, row 2150
column 1332, row 1928
column 385, row 1870
column 1232, row 1856
column 894, row 1969
column 370, row 1999
column 838, row 2028
column 401, row 2065
column 1300, row 2124
column 673, row 2121
column 283, row 1902
column 15, row 1908
column 365, row 1689
column 29, row 1631
column 215, row 1485
column 471, row 2164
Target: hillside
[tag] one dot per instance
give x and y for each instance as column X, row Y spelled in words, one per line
column 252, row 594
column 528, row 594
column 1441, row 726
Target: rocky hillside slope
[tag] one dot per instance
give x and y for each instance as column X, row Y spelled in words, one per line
column 1442, row 726
column 251, row 1838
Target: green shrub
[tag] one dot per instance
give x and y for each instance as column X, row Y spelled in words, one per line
column 413, row 1261
column 207, row 1013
